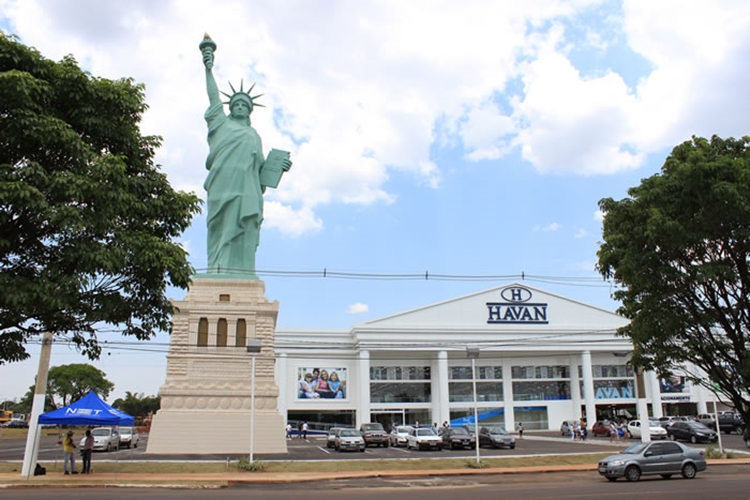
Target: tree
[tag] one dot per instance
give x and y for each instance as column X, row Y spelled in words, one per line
column 679, row 249
column 87, row 220
column 69, row 383
column 138, row 405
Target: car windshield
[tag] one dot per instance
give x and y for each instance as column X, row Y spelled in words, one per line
column 372, row 427
column 126, row 431
column 348, row 433
column 101, row 432
column 636, row 449
column 460, row 431
column 403, row 430
column 497, row 430
column 425, row 432
column 698, row 426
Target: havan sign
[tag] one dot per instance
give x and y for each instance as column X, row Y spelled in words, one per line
column 516, row 308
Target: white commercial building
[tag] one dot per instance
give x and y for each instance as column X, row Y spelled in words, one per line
column 542, row 359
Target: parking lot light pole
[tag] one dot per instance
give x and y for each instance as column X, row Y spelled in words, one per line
column 253, row 348
column 473, row 353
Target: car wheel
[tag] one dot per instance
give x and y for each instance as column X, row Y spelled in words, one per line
column 109, row 447
column 688, row 471
column 385, row 444
column 671, row 436
column 135, row 445
column 666, row 476
column 362, row 450
column 512, row 447
column 611, row 479
column 693, row 439
column 632, row 473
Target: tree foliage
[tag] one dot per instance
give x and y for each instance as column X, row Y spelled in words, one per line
column 679, row 248
column 87, row 220
column 69, row 383
column 138, row 405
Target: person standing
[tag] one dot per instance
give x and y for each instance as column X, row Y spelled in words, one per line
column 69, row 450
column 299, row 429
column 519, row 428
column 304, row 430
column 88, row 448
column 289, row 431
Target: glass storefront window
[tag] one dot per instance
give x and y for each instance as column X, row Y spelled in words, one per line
column 483, row 373
column 400, row 392
column 612, row 371
column 539, row 372
column 460, row 392
column 400, row 373
column 541, row 391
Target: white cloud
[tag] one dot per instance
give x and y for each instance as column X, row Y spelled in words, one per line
column 554, row 226
column 581, row 233
column 598, row 215
column 358, row 308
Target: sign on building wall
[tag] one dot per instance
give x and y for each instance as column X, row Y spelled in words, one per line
column 517, row 308
column 321, row 383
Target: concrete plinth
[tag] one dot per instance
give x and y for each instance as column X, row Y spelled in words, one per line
column 205, row 400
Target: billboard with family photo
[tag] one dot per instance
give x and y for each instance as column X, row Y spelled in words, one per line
column 321, row 383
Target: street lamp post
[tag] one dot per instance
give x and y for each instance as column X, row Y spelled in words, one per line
column 473, row 353
column 253, row 348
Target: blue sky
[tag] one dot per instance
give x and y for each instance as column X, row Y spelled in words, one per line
column 455, row 138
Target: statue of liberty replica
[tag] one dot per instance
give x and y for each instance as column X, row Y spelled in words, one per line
column 238, row 175
column 225, row 324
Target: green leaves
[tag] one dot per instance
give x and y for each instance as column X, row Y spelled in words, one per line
column 679, row 247
column 87, row 220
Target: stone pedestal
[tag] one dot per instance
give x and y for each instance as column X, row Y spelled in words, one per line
column 205, row 400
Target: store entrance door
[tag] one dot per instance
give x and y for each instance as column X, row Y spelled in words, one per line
column 389, row 419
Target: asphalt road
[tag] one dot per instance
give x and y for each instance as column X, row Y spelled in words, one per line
column 725, row 482
column 314, row 448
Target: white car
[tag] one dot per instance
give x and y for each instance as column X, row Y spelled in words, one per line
column 129, row 437
column 655, row 428
column 399, row 434
column 105, row 439
column 423, row 437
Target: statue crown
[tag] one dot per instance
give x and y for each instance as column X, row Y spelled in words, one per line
column 241, row 94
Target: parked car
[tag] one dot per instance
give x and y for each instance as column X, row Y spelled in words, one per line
column 471, row 428
column 331, row 436
column 348, row 439
column 105, row 439
column 497, row 437
column 399, row 433
column 707, row 419
column 695, row 432
column 600, row 428
column 374, row 434
column 663, row 458
column 15, row 424
column 730, row 421
column 424, row 438
column 566, row 427
column 457, row 437
column 667, row 421
column 129, row 437
column 656, row 430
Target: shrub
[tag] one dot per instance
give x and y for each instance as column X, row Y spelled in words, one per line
column 244, row 463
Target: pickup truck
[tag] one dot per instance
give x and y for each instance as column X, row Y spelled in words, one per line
column 374, row 434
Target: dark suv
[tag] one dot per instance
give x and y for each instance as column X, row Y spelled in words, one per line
column 374, row 434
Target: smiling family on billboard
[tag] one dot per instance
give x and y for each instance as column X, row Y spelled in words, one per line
column 321, row 383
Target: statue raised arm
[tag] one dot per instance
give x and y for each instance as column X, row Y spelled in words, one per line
column 238, row 174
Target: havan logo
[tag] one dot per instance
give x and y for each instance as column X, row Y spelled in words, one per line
column 517, row 309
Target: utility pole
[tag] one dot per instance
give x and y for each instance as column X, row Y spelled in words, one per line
column 37, row 407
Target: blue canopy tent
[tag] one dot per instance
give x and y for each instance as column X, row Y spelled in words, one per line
column 89, row 410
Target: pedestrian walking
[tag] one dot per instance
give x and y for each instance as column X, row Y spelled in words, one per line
column 519, row 428
column 304, row 430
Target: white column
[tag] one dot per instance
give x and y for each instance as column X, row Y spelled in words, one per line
column 510, row 418
column 575, row 391
column 653, row 383
column 232, row 332
column 588, row 387
column 213, row 324
column 441, row 412
column 285, row 388
column 363, row 406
